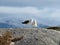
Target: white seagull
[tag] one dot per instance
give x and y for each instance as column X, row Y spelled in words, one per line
column 31, row 22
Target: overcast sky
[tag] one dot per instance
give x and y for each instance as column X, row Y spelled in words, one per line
column 49, row 9
column 36, row 3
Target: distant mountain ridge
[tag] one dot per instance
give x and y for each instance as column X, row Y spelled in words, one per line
column 6, row 25
column 42, row 26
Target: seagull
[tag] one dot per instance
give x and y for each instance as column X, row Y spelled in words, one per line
column 31, row 22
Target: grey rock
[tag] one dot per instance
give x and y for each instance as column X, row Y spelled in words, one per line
column 36, row 36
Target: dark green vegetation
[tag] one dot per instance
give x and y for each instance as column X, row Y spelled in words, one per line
column 54, row 28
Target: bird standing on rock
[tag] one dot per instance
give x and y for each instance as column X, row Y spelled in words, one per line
column 31, row 22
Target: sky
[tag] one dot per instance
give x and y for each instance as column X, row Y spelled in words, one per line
column 47, row 10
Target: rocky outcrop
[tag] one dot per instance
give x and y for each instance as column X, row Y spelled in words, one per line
column 35, row 36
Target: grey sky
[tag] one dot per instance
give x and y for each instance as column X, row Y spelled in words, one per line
column 46, row 9
column 36, row 3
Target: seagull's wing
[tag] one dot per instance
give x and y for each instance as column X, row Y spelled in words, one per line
column 25, row 22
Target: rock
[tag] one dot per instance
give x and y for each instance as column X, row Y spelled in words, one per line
column 36, row 36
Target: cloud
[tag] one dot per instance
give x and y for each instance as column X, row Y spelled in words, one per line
column 46, row 15
column 44, row 12
column 28, row 10
column 35, row 3
column 15, row 10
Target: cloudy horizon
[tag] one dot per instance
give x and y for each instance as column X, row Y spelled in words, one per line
column 48, row 10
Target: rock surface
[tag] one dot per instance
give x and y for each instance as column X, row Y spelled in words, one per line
column 35, row 36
